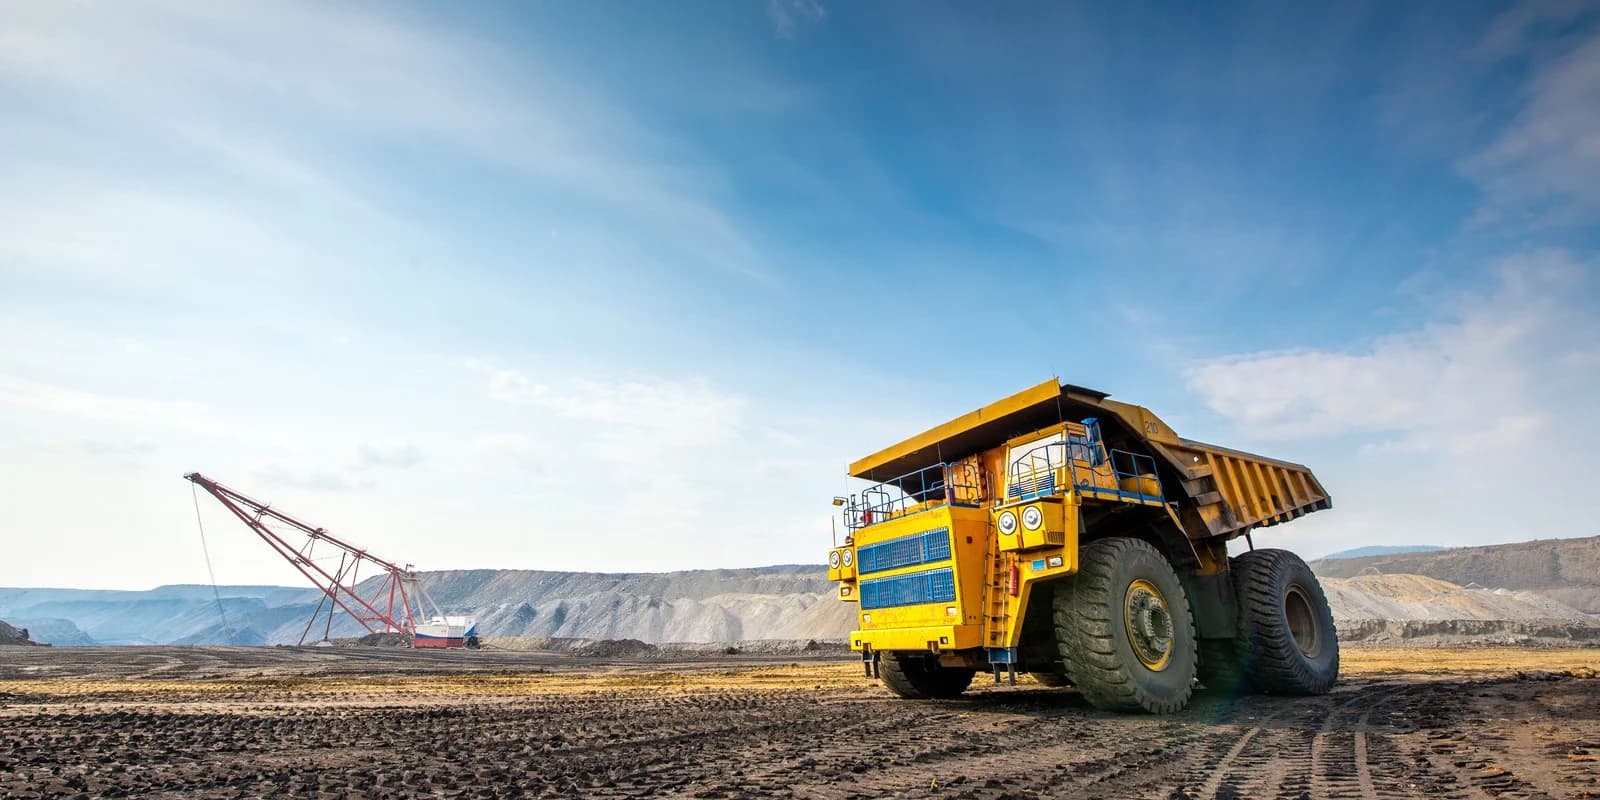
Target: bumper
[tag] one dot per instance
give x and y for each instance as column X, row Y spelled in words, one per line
column 932, row 638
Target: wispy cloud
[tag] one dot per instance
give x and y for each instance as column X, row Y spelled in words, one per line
column 516, row 449
column 788, row 17
column 398, row 456
column 314, row 480
column 680, row 456
column 136, row 413
column 242, row 87
column 1509, row 32
column 1543, row 169
column 1486, row 374
column 117, row 448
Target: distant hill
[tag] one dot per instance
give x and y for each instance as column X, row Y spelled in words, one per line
column 1567, row 570
column 790, row 602
column 780, row 602
column 1382, row 550
column 46, row 630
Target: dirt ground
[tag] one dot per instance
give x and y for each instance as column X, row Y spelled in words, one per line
column 243, row 722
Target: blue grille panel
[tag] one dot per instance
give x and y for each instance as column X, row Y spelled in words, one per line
column 933, row 586
column 1041, row 484
column 918, row 548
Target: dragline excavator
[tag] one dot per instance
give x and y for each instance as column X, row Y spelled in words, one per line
column 393, row 604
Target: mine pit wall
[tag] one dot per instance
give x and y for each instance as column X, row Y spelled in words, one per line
column 1478, row 631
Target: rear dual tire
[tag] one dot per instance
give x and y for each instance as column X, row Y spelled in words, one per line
column 1286, row 641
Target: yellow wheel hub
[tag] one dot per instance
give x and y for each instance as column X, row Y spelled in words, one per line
column 1149, row 624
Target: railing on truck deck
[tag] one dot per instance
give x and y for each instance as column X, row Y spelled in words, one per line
column 1086, row 466
column 959, row 483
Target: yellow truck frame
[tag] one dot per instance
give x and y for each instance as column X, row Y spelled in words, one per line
column 1078, row 538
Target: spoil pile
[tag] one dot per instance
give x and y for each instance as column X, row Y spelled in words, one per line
column 1418, row 609
column 10, row 634
column 1566, row 570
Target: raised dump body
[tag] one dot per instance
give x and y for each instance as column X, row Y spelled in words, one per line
column 978, row 541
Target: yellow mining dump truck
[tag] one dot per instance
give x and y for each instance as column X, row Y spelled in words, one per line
column 1077, row 538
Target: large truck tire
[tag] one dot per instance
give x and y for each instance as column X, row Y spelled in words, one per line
column 920, row 677
column 1287, row 643
column 1124, row 628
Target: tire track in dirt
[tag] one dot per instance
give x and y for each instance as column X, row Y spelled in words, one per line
column 1261, row 759
column 1339, row 757
column 1370, row 738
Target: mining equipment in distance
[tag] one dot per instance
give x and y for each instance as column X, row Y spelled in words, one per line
column 392, row 601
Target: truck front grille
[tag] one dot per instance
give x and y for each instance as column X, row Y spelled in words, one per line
column 933, row 586
column 918, row 548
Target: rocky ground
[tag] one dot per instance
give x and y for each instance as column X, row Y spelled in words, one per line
column 386, row 723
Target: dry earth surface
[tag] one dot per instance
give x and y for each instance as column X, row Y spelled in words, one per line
column 390, row 723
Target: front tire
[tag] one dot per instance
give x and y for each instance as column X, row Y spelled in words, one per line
column 920, row 677
column 1287, row 642
column 1124, row 629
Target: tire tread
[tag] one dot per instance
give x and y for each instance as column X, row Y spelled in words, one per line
column 1086, row 636
column 1272, row 660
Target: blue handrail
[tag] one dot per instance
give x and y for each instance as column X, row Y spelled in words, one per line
column 1033, row 474
column 954, row 483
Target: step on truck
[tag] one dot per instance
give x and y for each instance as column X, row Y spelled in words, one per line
column 1064, row 534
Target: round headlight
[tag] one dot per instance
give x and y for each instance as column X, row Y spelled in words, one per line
column 1007, row 522
column 833, row 559
column 849, row 558
column 1032, row 518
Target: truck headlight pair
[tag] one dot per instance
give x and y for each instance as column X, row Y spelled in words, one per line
column 838, row 557
column 1032, row 519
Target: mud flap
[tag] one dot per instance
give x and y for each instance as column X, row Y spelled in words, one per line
column 1003, row 657
column 869, row 661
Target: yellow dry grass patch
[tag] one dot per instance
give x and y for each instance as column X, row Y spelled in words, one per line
column 691, row 678
column 563, row 682
column 1363, row 661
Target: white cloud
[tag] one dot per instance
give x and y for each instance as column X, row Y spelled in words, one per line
column 1477, row 379
column 788, row 16
column 1427, row 435
column 396, row 456
column 1509, row 31
column 314, row 480
column 516, row 449
column 117, row 448
column 1543, row 169
column 133, row 413
column 242, row 87
column 678, row 457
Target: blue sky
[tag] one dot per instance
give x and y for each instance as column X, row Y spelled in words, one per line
column 625, row 286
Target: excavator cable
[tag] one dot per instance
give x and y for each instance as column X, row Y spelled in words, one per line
column 227, row 632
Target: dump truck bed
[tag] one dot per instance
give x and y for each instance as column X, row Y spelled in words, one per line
column 1233, row 491
column 1215, row 491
